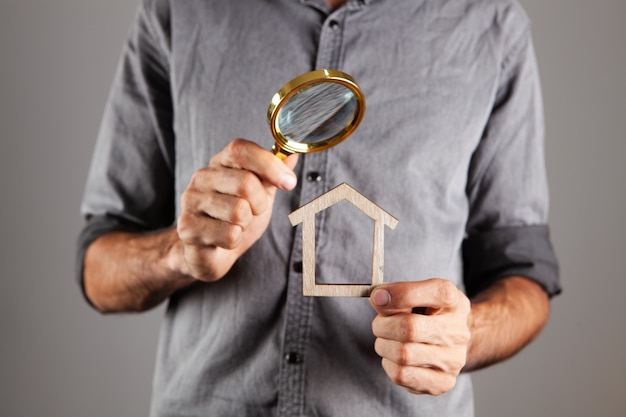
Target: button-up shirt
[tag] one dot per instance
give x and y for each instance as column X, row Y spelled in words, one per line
column 451, row 145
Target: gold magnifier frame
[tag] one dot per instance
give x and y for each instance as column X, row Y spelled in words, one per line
column 304, row 83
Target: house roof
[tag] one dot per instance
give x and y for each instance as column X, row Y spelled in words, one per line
column 340, row 193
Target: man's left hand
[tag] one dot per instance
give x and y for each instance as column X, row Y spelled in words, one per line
column 422, row 333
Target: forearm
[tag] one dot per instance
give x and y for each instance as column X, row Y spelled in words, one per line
column 133, row 272
column 504, row 318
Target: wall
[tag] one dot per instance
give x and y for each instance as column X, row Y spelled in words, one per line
column 59, row 358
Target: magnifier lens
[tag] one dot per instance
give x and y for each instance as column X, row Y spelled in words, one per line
column 316, row 113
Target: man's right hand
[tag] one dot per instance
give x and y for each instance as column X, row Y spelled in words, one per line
column 225, row 209
column 228, row 205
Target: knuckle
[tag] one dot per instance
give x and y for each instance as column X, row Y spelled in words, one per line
column 248, row 184
column 408, row 329
column 446, row 384
column 231, row 236
column 251, row 189
column 198, row 261
column 404, row 354
column 400, row 375
column 236, row 147
column 448, row 292
column 197, row 177
column 453, row 364
column 187, row 199
column 375, row 326
column 439, row 385
column 214, row 161
column 378, row 346
column 466, row 305
column 241, row 212
column 184, row 227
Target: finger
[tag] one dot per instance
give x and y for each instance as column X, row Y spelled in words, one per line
column 419, row 380
column 208, row 185
column 446, row 359
column 201, row 230
column 200, row 262
column 227, row 208
column 244, row 154
column 291, row 161
column 394, row 298
column 406, row 327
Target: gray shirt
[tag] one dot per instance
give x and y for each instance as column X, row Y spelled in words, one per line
column 451, row 145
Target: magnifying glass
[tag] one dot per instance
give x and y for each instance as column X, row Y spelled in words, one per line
column 314, row 112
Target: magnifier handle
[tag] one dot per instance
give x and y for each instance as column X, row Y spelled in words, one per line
column 280, row 153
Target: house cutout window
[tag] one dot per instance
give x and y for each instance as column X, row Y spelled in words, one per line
column 306, row 216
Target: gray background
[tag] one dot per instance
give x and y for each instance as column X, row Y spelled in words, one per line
column 59, row 358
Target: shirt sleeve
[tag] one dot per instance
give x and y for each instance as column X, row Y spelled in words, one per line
column 130, row 185
column 507, row 232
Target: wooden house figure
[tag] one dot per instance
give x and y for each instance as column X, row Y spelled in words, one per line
column 306, row 216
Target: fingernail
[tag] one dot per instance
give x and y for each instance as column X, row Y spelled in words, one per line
column 381, row 297
column 288, row 181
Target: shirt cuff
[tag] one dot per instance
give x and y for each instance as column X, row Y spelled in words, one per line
column 511, row 251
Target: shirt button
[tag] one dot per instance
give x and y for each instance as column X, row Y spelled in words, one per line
column 333, row 24
column 314, row 176
column 293, row 358
column 297, row 267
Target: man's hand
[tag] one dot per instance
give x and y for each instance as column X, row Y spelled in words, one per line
column 422, row 333
column 227, row 206
column 225, row 209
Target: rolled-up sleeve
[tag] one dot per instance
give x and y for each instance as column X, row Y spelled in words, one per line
column 507, row 230
column 130, row 186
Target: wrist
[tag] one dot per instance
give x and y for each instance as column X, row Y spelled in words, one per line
column 504, row 318
column 174, row 261
column 481, row 322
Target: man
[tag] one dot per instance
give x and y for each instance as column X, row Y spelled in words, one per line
column 451, row 145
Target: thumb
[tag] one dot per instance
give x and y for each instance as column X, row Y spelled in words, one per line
column 383, row 301
column 427, row 296
column 292, row 160
column 289, row 179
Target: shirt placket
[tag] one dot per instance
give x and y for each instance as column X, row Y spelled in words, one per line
column 314, row 182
